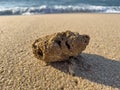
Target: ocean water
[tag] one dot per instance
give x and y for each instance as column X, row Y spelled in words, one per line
column 30, row 7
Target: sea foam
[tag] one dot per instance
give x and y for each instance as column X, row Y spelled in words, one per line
column 44, row 9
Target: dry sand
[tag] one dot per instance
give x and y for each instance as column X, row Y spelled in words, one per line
column 20, row 70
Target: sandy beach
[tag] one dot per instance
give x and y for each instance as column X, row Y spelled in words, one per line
column 20, row 70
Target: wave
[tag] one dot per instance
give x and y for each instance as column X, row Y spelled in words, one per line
column 59, row 9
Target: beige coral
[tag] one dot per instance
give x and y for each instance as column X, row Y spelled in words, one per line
column 60, row 46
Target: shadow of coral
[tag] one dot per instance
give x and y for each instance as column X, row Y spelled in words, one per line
column 101, row 70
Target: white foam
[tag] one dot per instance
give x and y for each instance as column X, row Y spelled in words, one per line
column 28, row 13
column 58, row 9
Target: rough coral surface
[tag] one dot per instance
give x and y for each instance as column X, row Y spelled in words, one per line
column 60, row 46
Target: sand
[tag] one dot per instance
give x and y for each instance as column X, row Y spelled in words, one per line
column 20, row 70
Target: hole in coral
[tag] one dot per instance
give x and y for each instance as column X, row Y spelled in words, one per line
column 86, row 41
column 86, row 36
column 34, row 46
column 58, row 42
column 68, row 46
column 40, row 53
column 62, row 38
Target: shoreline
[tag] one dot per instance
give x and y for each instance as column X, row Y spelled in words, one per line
column 64, row 14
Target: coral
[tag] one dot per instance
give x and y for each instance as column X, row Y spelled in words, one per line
column 60, row 46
